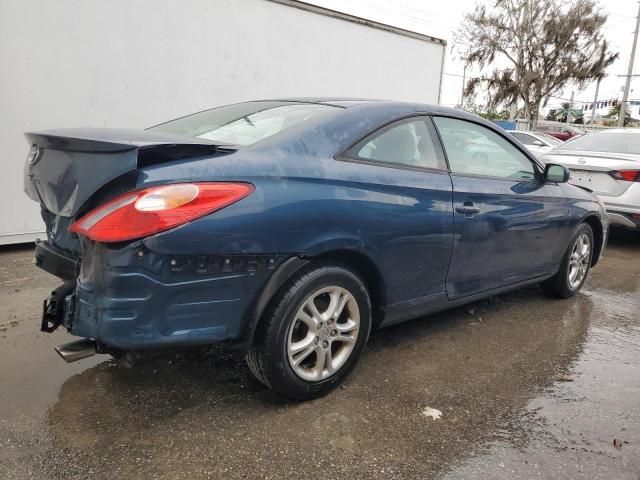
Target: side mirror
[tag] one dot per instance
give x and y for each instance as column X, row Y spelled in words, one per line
column 556, row 173
column 538, row 143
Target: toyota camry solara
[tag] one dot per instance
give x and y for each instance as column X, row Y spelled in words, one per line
column 291, row 228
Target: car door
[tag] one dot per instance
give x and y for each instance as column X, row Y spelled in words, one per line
column 408, row 219
column 507, row 220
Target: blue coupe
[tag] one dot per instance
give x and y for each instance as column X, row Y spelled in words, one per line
column 291, row 228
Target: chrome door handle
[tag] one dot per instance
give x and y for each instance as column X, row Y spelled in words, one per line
column 467, row 209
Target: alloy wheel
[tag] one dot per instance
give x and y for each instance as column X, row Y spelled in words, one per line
column 323, row 333
column 579, row 260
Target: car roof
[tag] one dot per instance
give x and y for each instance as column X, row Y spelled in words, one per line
column 347, row 102
column 335, row 101
column 620, row 130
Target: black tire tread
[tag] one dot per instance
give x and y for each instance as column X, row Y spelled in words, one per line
column 259, row 355
column 557, row 285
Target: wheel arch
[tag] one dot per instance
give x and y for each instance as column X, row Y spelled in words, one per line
column 369, row 273
column 358, row 262
column 598, row 236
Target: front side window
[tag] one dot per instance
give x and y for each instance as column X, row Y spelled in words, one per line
column 409, row 143
column 473, row 149
column 244, row 124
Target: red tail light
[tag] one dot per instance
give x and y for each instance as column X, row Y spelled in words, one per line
column 156, row 209
column 628, row 175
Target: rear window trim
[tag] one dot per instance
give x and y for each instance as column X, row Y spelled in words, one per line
column 426, row 117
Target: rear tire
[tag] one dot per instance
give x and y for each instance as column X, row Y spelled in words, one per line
column 313, row 332
column 575, row 267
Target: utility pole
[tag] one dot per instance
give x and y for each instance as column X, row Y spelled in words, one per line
column 627, row 85
column 595, row 101
column 570, row 105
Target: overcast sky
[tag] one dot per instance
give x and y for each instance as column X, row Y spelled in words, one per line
column 441, row 19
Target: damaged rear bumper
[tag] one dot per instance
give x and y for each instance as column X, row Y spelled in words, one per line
column 130, row 298
column 56, row 261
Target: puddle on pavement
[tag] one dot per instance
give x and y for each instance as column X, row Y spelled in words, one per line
column 527, row 386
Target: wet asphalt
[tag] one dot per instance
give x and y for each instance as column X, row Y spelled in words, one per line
column 528, row 386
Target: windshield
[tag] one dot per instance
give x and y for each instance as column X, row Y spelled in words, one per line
column 606, row 142
column 243, row 123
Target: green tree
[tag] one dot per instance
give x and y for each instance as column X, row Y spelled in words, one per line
column 614, row 112
column 560, row 114
column 544, row 45
column 490, row 113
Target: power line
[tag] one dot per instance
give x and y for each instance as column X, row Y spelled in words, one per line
column 589, row 102
column 464, row 76
column 621, row 16
column 586, row 102
column 426, row 21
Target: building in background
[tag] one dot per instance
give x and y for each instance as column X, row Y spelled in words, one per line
column 603, row 109
column 136, row 64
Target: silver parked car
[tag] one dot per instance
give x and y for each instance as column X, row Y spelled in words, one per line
column 536, row 142
column 608, row 164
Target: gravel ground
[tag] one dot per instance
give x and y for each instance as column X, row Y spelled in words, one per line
column 528, row 386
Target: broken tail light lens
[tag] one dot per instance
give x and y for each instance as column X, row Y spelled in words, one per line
column 153, row 210
column 627, row 175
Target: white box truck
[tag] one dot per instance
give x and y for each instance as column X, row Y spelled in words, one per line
column 133, row 64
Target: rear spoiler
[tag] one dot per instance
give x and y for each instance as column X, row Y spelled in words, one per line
column 153, row 147
column 112, row 139
column 66, row 167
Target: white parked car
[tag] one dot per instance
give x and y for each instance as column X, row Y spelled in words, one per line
column 536, row 142
column 608, row 164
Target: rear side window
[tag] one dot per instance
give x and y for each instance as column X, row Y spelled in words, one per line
column 410, row 143
column 473, row 149
column 244, row 124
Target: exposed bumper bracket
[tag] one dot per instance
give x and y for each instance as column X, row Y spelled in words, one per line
column 53, row 308
column 55, row 261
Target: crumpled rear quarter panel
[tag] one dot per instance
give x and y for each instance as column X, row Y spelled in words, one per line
column 132, row 298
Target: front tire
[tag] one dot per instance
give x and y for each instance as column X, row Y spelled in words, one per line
column 313, row 333
column 575, row 265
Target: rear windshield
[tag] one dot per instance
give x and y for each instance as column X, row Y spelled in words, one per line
column 605, row 142
column 243, row 123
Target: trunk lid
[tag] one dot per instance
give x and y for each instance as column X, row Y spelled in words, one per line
column 66, row 167
column 591, row 169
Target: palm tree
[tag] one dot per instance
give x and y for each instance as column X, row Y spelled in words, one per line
column 614, row 112
column 560, row 114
